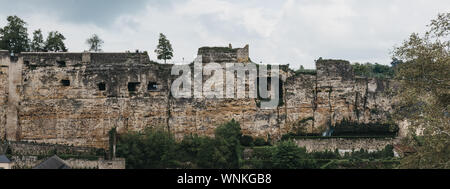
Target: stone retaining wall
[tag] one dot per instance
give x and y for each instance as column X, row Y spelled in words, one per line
column 28, row 162
column 345, row 145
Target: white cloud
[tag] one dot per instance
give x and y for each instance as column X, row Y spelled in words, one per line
column 292, row 31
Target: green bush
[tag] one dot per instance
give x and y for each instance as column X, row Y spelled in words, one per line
column 373, row 70
column 215, row 154
column 158, row 149
column 247, row 141
column 351, row 128
column 152, row 149
column 228, row 135
column 155, row 148
column 326, row 155
column 287, row 155
column 260, row 142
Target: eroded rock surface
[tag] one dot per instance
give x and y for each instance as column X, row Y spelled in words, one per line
column 76, row 98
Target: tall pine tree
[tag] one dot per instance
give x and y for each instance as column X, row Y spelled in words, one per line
column 164, row 49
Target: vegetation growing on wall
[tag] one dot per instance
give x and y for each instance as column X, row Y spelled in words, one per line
column 304, row 71
column 373, row 70
column 351, row 128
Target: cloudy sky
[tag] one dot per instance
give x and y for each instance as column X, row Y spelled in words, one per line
column 294, row 32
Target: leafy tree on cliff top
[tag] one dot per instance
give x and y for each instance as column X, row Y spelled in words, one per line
column 164, row 49
column 424, row 93
column 55, row 42
column 95, row 43
column 14, row 36
column 373, row 70
column 37, row 44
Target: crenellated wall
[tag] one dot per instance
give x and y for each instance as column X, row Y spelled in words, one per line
column 76, row 98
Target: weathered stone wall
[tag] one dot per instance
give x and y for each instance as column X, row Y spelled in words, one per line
column 81, row 114
column 58, row 98
column 39, row 149
column 345, row 145
column 24, row 162
column 4, row 70
column 224, row 54
column 118, row 163
column 28, row 162
column 316, row 102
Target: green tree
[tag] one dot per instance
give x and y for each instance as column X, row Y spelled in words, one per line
column 424, row 93
column 55, row 42
column 95, row 43
column 37, row 44
column 14, row 36
column 287, row 155
column 373, row 70
column 204, row 152
column 153, row 149
column 130, row 146
column 230, row 134
column 215, row 154
column 164, row 49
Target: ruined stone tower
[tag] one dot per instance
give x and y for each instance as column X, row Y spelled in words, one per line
column 224, row 54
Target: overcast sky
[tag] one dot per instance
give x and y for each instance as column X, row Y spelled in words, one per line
column 289, row 31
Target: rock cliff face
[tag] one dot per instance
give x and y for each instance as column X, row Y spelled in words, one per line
column 76, row 98
column 315, row 102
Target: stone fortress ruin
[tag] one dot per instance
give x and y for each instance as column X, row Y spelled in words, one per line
column 77, row 98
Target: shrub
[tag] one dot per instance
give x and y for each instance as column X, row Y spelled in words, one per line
column 260, row 142
column 216, row 154
column 373, row 70
column 158, row 149
column 247, row 141
column 153, row 149
column 350, row 128
column 228, row 135
column 287, row 155
column 326, row 155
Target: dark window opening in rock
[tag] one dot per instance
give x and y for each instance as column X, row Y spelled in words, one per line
column 65, row 82
column 132, row 87
column 61, row 63
column 102, row 86
column 152, row 86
